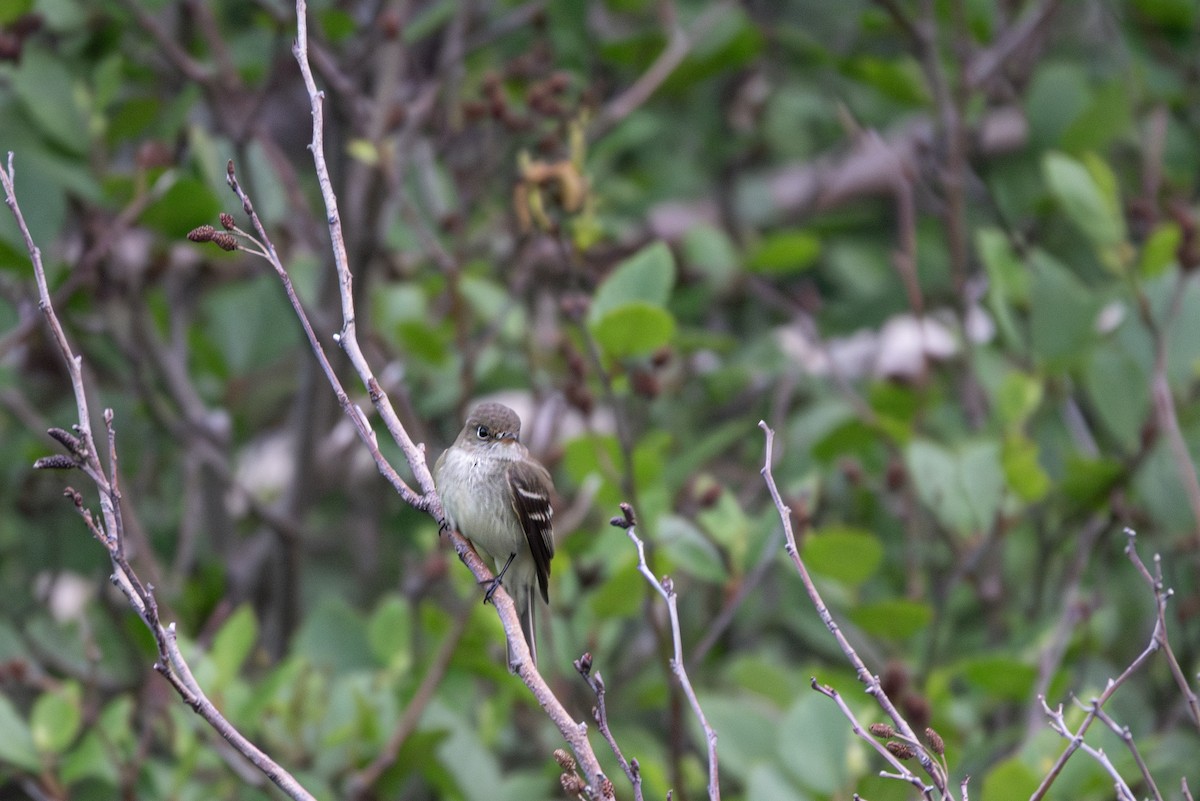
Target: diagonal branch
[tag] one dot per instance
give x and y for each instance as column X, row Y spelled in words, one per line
column 109, row 530
column 573, row 732
column 868, row 679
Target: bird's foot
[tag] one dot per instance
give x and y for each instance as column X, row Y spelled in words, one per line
column 492, row 586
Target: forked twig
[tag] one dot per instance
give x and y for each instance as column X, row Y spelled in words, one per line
column 583, row 665
column 869, row 680
column 1158, row 641
column 109, row 530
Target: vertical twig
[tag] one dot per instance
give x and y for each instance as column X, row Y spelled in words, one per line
column 666, row 588
column 583, row 665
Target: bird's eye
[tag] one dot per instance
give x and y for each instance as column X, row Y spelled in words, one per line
column 483, row 432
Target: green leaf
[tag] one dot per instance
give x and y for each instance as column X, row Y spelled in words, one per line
column 1175, row 16
column 245, row 320
column 1118, row 385
column 771, row 676
column 1087, row 196
column 493, row 304
column 1021, row 468
column 730, row 42
column 1010, row 779
column 1088, row 481
column 634, row 329
column 767, row 783
column 1158, row 252
column 646, row 277
column 849, row 555
column 1000, row 676
column 964, row 487
column 16, row 742
column 1062, row 314
column 1059, row 94
column 363, row 151
column 334, row 636
column 709, row 251
column 423, row 340
column 852, row 436
column 233, row 643
column 786, row 252
column 1018, row 397
column 895, row 619
column 622, row 593
column 1007, row 275
column 13, row 10
column 896, row 78
column 389, row 630
column 1107, row 117
column 727, row 524
column 690, row 550
column 56, row 718
column 821, row 765
column 747, row 728
column 47, row 93
column 91, row 759
column 186, row 205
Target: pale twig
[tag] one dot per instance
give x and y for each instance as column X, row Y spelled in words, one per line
column 1127, row 737
column 666, row 588
column 347, row 338
column 869, row 680
column 266, row 249
column 109, row 530
column 574, row 733
column 600, row 714
column 902, row 773
column 1161, row 594
column 1158, row 641
column 1058, row 724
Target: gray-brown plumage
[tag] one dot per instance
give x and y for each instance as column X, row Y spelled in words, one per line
column 499, row 497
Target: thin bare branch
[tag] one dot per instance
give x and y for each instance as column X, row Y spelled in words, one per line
column 1158, row 641
column 666, row 588
column 573, row 732
column 109, row 530
column 583, row 665
column 869, row 680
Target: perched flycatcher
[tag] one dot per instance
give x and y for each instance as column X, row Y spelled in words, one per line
column 498, row 497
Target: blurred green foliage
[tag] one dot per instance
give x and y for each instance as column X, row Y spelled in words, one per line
column 960, row 358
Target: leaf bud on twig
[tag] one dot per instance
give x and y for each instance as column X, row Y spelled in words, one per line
column 56, row 462
column 564, row 759
column 203, row 233
column 936, row 744
column 882, row 730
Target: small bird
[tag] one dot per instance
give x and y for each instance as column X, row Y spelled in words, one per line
column 498, row 496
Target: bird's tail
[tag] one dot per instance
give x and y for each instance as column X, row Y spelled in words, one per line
column 524, row 600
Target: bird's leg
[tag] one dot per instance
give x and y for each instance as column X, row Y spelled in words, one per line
column 494, row 583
